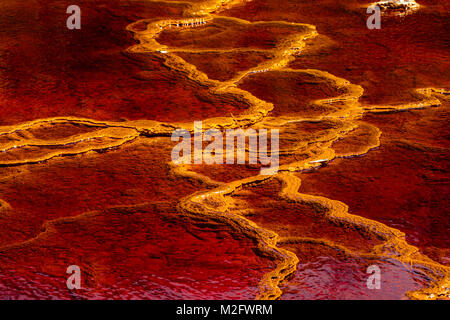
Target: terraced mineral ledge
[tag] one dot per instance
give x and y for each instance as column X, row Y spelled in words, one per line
column 320, row 128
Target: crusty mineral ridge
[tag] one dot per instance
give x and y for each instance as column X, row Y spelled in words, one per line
column 4, row 206
column 397, row 5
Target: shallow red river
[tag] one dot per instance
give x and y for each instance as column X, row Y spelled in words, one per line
column 93, row 186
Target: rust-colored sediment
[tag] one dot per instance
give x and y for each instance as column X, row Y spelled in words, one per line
column 344, row 111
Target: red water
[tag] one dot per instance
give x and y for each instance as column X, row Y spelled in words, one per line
column 116, row 207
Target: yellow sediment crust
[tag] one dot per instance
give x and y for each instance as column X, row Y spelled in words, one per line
column 217, row 204
column 397, row 5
